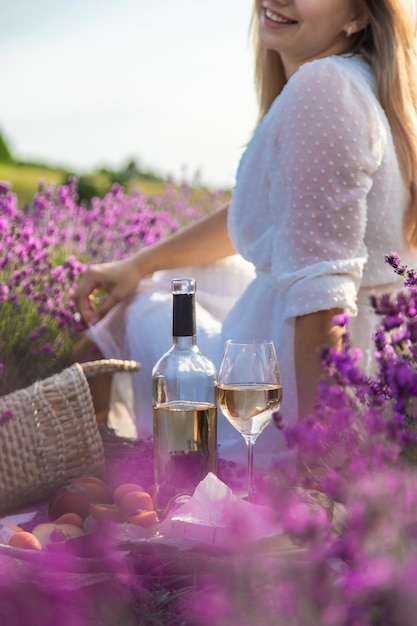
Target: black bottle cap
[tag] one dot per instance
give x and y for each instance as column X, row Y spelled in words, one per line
column 183, row 307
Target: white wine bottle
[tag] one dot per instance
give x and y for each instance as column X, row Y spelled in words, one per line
column 184, row 384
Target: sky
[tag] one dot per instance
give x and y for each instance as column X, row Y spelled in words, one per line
column 93, row 83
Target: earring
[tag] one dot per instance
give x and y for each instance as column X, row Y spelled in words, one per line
column 349, row 31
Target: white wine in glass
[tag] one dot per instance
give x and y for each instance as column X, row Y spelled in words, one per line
column 249, row 391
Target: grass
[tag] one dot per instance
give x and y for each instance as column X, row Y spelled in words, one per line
column 25, row 178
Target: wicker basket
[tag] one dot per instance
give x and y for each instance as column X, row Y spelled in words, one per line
column 52, row 435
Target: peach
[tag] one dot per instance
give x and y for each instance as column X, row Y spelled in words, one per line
column 144, row 519
column 17, row 529
column 25, row 540
column 107, row 512
column 49, row 532
column 97, row 487
column 136, row 501
column 124, row 489
column 70, row 518
column 70, row 499
column 90, row 479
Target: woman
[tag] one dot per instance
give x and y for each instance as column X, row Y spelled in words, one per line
column 325, row 188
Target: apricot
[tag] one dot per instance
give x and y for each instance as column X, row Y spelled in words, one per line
column 70, row 499
column 144, row 519
column 25, row 540
column 136, row 501
column 97, row 487
column 90, row 479
column 124, row 489
column 107, row 512
column 49, row 532
column 17, row 529
column 70, row 518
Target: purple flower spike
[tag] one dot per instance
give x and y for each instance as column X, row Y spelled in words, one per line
column 358, row 448
column 341, row 320
column 4, row 187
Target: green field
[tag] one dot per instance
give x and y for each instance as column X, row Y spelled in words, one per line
column 25, row 180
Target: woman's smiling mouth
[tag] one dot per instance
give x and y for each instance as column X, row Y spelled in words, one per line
column 277, row 18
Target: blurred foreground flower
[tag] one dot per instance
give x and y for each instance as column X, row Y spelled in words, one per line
column 364, row 424
column 357, row 569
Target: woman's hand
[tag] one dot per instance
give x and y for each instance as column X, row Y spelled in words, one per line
column 205, row 241
column 118, row 279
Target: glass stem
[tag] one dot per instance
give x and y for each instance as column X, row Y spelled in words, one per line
column 250, row 444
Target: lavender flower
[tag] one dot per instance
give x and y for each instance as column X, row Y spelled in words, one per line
column 350, row 509
column 40, row 264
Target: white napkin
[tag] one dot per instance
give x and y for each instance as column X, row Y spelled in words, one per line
column 5, row 534
column 18, row 518
column 214, row 515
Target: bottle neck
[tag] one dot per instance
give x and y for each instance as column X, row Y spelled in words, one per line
column 184, row 342
column 183, row 318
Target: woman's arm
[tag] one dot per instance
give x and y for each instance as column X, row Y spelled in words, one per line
column 203, row 242
column 313, row 332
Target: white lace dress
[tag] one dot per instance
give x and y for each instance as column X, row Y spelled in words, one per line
column 319, row 200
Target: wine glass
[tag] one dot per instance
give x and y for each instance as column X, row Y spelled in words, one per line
column 249, row 391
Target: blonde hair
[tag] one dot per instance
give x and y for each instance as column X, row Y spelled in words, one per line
column 388, row 42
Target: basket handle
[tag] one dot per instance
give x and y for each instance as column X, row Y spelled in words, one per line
column 108, row 366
